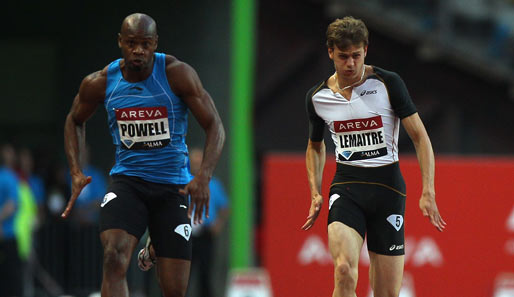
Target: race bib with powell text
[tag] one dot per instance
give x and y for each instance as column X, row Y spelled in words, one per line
column 143, row 127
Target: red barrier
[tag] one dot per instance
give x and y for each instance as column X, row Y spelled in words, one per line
column 473, row 257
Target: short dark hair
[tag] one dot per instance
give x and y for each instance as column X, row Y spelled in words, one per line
column 346, row 32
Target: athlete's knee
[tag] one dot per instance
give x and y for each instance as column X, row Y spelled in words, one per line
column 386, row 292
column 174, row 285
column 115, row 261
column 173, row 276
column 346, row 275
column 174, row 291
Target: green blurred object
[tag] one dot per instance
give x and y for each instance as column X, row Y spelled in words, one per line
column 24, row 220
column 241, row 132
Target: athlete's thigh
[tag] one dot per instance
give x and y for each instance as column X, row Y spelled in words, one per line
column 344, row 243
column 346, row 224
column 173, row 275
column 120, row 241
column 168, row 223
column 386, row 273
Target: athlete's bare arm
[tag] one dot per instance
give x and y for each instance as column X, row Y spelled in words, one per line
column 91, row 94
column 315, row 157
column 185, row 83
column 417, row 132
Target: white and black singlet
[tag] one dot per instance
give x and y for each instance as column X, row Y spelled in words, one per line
column 365, row 128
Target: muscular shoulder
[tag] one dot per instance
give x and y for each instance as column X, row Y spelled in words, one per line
column 93, row 86
column 182, row 78
column 175, row 67
column 96, row 78
column 398, row 94
column 392, row 81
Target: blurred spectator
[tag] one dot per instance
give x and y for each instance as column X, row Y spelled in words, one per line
column 35, row 182
column 27, row 211
column 205, row 234
column 24, row 223
column 10, row 264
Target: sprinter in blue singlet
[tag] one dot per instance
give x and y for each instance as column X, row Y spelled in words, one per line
column 147, row 96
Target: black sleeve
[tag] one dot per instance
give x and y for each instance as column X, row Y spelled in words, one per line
column 398, row 94
column 316, row 124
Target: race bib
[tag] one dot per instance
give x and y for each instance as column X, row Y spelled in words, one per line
column 143, row 127
column 360, row 139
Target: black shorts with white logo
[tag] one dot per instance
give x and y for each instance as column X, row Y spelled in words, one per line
column 133, row 204
column 371, row 200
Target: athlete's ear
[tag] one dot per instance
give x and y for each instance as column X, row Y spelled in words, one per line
column 119, row 40
column 331, row 53
column 365, row 51
column 156, row 42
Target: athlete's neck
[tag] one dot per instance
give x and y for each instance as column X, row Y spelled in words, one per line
column 341, row 85
column 136, row 75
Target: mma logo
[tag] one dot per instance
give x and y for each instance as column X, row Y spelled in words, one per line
column 184, row 230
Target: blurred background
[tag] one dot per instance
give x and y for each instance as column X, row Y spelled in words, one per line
column 257, row 59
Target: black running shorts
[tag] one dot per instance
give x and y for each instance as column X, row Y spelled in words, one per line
column 133, row 204
column 371, row 200
column 11, row 281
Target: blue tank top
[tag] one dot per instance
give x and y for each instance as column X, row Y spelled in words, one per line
column 148, row 124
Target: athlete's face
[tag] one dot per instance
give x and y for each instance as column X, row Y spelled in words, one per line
column 348, row 62
column 137, row 48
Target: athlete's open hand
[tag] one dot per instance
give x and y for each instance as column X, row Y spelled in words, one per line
column 78, row 182
column 429, row 209
column 198, row 188
column 316, row 202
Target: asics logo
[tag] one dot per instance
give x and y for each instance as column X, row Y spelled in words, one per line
column 363, row 93
column 396, row 247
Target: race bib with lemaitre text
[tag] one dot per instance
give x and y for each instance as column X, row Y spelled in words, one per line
column 360, row 139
